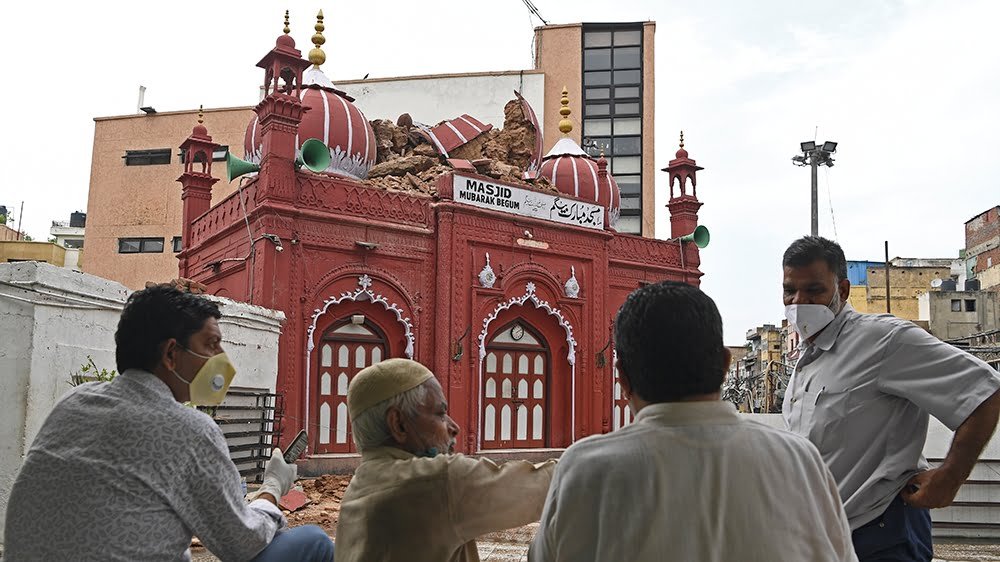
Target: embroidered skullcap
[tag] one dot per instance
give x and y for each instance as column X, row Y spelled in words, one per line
column 382, row 381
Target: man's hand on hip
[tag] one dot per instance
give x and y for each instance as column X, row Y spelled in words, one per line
column 931, row 489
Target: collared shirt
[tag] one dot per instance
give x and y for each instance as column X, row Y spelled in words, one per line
column 862, row 391
column 417, row 509
column 693, row 481
column 122, row 471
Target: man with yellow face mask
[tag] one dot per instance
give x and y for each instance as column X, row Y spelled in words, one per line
column 124, row 471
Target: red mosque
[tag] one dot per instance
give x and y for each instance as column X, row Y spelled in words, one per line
column 506, row 290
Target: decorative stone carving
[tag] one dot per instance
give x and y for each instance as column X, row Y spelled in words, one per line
column 572, row 285
column 486, row 277
column 364, row 293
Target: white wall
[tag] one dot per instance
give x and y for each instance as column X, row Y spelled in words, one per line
column 482, row 96
column 52, row 318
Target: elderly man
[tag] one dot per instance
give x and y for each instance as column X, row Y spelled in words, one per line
column 862, row 390
column 690, row 480
column 412, row 499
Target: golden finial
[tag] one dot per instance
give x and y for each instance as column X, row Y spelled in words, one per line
column 287, row 29
column 201, row 114
column 316, row 55
column 682, row 139
column 565, row 125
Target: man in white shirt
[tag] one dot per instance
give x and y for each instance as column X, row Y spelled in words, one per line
column 124, row 471
column 689, row 479
column 411, row 499
column 863, row 390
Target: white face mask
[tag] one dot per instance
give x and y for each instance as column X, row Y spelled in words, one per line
column 809, row 319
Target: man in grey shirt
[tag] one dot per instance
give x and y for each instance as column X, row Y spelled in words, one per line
column 124, row 471
column 862, row 390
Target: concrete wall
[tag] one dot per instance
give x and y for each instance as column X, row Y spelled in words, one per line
column 947, row 324
column 906, row 285
column 53, row 318
column 430, row 99
column 33, row 251
column 989, row 278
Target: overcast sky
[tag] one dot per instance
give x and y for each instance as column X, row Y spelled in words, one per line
column 910, row 89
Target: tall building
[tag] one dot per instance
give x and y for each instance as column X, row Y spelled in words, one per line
column 134, row 213
column 982, row 248
column 909, row 278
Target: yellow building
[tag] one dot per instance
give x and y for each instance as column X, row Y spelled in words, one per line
column 134, row 205
column 908, row 279
column 21, row 250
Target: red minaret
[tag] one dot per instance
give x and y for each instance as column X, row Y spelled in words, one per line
column 279, row 114
column 196, row 182
column 683, row 206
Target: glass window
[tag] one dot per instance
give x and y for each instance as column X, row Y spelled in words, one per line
column 152, row 245
column 596, row 78
column 627, row 92
column 631, row 37
column 629, row 185
column 596, row 127
column 629, row 203
column 597, row 39
column 599, row 109
column 628, row 76
column 628, row 126
column 597, row 59
column 627, row 108
column 594, row 145
column 627, row 165
column 147, row 157
column 597, row 93
column 625, row 146
column 128, row 245
column 628, row 57
column 970, row 305
column 177, row 244
column 629, row 224
column 956, row 305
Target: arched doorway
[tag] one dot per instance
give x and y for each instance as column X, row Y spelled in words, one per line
column 347, row 346
column 516, row 388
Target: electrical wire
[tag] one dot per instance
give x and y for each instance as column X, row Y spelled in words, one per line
column 534, row 10
column 829, row 198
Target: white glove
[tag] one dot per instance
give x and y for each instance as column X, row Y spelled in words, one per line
column 279, row 476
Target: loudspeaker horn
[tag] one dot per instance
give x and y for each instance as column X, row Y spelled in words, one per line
column 236, row 167
column 700, row 236
column 315, row 156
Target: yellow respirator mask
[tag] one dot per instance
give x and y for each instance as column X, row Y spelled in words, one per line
column 210, row 384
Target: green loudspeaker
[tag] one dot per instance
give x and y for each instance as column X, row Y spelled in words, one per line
column 315, row 156
column 236, row 167
column 700, row 236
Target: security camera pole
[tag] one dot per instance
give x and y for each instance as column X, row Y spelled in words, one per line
column 815, row 156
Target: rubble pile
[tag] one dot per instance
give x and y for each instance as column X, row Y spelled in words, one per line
column 406, row 161
column 325, row 494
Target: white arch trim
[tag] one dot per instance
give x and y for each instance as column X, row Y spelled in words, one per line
column 530, row 296
column 362, row 293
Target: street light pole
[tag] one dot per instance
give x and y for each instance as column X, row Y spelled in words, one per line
column 815, row 156
column 815, row 196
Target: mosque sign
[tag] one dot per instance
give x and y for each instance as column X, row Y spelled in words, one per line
column 527, row 203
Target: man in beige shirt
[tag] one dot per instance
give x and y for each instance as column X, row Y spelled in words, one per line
column 411, row 498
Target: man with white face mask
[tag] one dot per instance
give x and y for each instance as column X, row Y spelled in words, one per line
column 862, row 390
column 123, row 470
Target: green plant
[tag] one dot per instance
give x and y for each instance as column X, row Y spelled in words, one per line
column 89, row 372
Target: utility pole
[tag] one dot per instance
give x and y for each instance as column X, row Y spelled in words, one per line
column 888, row 296
column 815, row 156
column 20, row 225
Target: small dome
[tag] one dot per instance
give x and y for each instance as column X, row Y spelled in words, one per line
column 331, row 118
column 576, row 173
